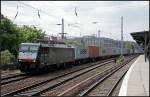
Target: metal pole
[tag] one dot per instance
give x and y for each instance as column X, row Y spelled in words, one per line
column 62, row 29
column 99, row 41
column 145, row 47
column 0, row 55
column 121, row 35
column 99, row 37
column 62, row 36
column 148, row 46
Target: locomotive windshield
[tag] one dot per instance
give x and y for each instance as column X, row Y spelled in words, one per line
column 29, row 48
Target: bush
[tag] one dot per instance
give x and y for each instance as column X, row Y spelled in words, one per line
column 120, row 60
column 7, row 59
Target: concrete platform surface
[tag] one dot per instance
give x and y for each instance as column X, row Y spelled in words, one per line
column 136, row 81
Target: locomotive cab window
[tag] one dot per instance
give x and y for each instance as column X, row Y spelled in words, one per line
column 23, row 48
column 28, row 48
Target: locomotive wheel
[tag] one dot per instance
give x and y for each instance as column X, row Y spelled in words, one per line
column 22, row 68
column 64, row 65
column 58, row 66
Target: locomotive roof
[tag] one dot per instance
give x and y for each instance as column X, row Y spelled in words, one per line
column 57, row 45
column 30, row 44
column 49, row 45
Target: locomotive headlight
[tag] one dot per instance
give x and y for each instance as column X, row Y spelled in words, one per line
column 34, row 60
column 19, row 59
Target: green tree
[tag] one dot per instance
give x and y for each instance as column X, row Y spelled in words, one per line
column 30, row 34
column 11, row 35
column 8, row 35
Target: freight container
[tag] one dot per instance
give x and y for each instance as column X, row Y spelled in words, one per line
column 118, row 51
column 81, row 52
column 124, row 51
column 100, row 51
column 110, row 51
column 93, row 51
column 128, row 51
column 103, row 51
column 107, row 51
column 114, row 51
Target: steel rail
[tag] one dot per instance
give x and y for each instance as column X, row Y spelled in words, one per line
column 45, row 88
column 11, row 76
column 13, row 79
column 114, row 86
column 37, row 84
column 81, row 83
column 86, row 91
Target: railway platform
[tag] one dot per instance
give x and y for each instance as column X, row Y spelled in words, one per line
column 136, row 80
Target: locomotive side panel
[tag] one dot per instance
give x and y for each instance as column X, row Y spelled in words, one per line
column 43, row 56
column 53, row 55
column 60, row 55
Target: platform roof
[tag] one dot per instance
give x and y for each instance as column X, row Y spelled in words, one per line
column 140, row 36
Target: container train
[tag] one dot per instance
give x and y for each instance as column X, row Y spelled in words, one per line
column 34, row 57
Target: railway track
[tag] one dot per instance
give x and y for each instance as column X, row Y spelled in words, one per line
column 13, row 78
column 42, row 86
column 88, row 82
column 63, row 80
column 58, row 83
column 71, row 87
column 28, row 87
column 108, row 83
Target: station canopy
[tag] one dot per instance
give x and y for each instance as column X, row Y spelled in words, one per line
column 141, row 37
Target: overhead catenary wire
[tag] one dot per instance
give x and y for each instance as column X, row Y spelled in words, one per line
column 16, row 14
column 42, row 10
column 39, row 11
column 76, row 25
column 55, row 4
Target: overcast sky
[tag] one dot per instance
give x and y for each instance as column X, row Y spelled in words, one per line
column 106, row 13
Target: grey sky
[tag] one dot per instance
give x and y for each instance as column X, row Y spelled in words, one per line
column 107, row 13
